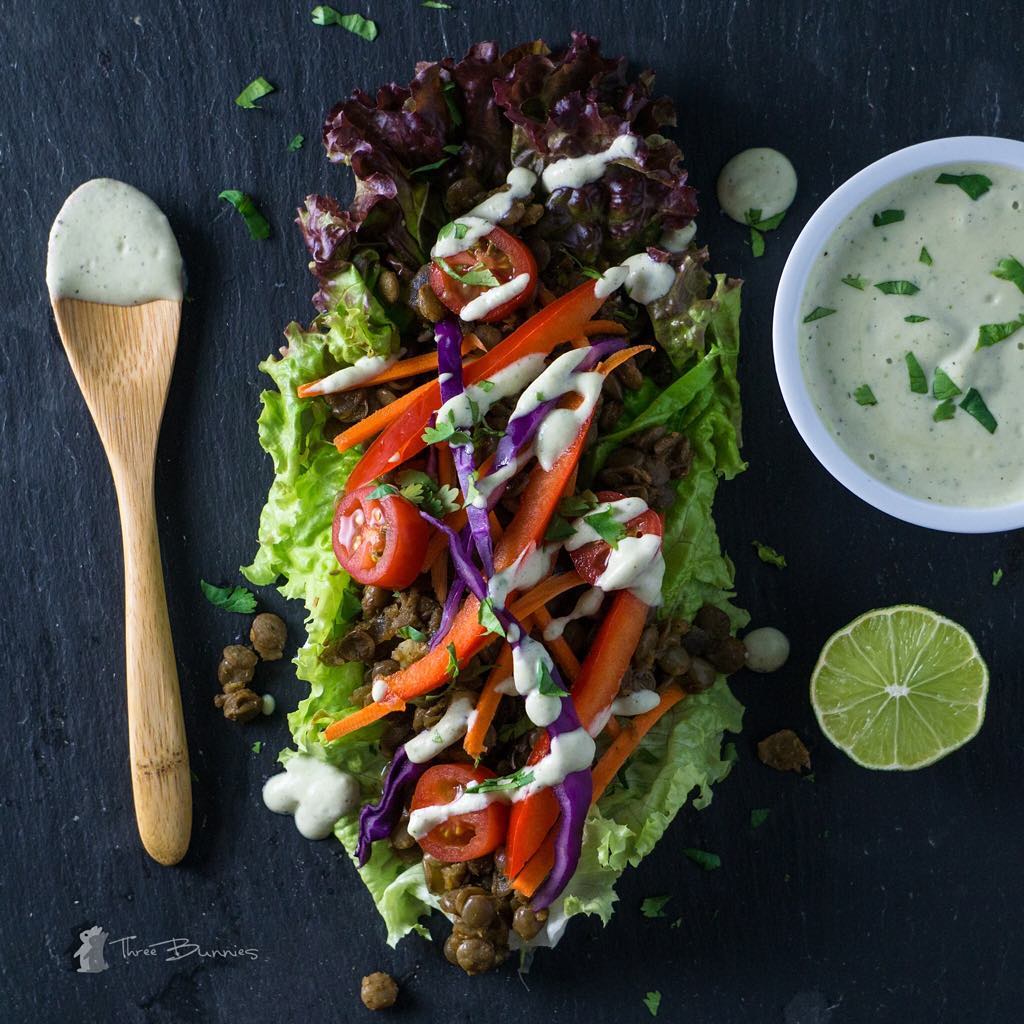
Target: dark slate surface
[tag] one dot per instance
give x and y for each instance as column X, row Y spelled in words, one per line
column 864, row 897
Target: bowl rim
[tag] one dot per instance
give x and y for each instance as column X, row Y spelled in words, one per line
column 785, row 332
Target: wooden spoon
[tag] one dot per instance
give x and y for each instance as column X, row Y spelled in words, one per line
column 122, row 358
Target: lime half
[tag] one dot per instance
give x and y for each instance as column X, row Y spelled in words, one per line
column 900, row 688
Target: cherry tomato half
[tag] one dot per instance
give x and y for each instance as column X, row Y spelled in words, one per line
column 464, row 836
column 379, row 540
column 499, row 252
column 591, row 559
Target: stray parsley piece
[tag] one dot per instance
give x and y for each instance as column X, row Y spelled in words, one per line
column 382, row 491
column 439, row 500
column 945, row 410
column 606, row 526
column 925, row 257
column 915, row 319
column 652, row 1001
column 257, row 746
column 231, row 599
column 703, row 859
column 997, row 577
column 446, row 431
column 975, row 185
column 546, row 685
column 486, row 386
column 897, row 287
column 258, row 225
column 769, row 555
column 255, row 90
column 943, row 386
column 1010, row 270
column 992, row 334
column 578, row 504
column 817, row 313
column 918, row 380
column 559, row 529
column 974, row 405
column 430, row 167
column 756, row 243
column 296, row 143
column 768, row 223
column 454, row 229
column 865, row 396
column 855, row 281
column 519, row 778
column 487, row 618
column 453, row 663
column 324, row 14
column 436, row 5
column 758, row 816
column 654, row 906
column 412, row 633
column 887, row 217
column 483, row 278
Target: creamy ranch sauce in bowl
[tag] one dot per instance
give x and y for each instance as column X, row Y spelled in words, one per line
column 934, row 249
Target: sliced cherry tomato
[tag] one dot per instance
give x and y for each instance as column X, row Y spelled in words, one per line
column 591, row 559
column 463, row 836
column 379, row 540
column 500, row 253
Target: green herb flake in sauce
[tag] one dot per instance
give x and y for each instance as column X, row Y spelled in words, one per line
column 654, row 906
column 974, row 405
column 769, row 555
column 255, row 90
column 915, row 319
column 652, row 1001
column 482, row 278
column 412, row 633
column 758, row 816
column 897, row 287
column 606, row 526
column 257, row 746
column 918, row 380
column 943, row 386
column 231, row 599
column 925, row 257
column 975, row 185
column 546, row 685
column 488, row 619
column 324, row 14
column 856, row 281
column 257, row 224
column 865, row 396
column 997, row 577
column 992, row 334
column 756, row 243
column 944, row 410
column 453, row 663
column 296, row 143
column 768, row 224
column 1010, row 270
column 517, row 779
column 887, row 217
column 703, row 859
column 817, row 314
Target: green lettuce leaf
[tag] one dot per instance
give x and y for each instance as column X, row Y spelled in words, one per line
column 354, row 323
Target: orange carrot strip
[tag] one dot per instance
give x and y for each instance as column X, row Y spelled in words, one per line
column 487, row 704
column 603, row 327
column 445, row 465
column 439, row 578
column 612, row 727
column 622, row 356
column 361, row 718
column 558, row 648
column 377, row 421
column 579, row 342
column 528, row 603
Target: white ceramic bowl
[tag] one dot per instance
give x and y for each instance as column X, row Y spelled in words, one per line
column 786, row 326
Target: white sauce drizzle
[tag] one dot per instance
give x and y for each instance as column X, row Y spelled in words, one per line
column 637, row 703
column 111, row 243
column 644, row 278
column 677, row 239
column 452, row 726
column 507, row 381
column 526, row 571
column 494, row 297
column 637, row 565
column 527, row 657
column 362, row 370
column 589, row 603
column 622, row 511
column 316, row 793
column 756, row 179
column 426, row 819
column 476, row 228
column 577, row 171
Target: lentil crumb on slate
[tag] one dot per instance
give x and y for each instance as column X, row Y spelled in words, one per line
column 268, row 634
column 784, row 751
column 378, row 991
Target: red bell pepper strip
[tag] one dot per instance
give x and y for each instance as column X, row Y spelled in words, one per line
column 565, row 318
column 592, row 693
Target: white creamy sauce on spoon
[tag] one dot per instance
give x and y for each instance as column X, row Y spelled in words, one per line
column 112, row 244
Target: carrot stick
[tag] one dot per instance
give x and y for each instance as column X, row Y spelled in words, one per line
column 559, row 649
column 529, row 879
column 622, row 356
column 439, row 578
column 545, row 591
column 445, row 465
column 361, row 718
column 377, row 421
column 487, row 704
column 603, row 327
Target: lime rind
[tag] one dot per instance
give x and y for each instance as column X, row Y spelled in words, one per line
column 900, row 688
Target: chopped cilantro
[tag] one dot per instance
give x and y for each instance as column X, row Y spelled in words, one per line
column 423, row 168
column 446, row 431
column 486, row 386
column 654, row 906
column 817, row 314
column 519, row 778
column 997, row 577
column 975, row 185
column 546, row 684
column 606, row 526
column 992, row 334
column 974, row 405
column 769, row 555
column 254, row 220
column 488, row 619
column 255, row 90
column 915, row 319
column 1010, row 270
column 412, row 633
column 756, row 243
column 918, row 380
column 558, row 529
column 703, row 859
column 382, row 491
column 855, row 281
column 755, row 220
column 887, row 217
column 296, row 143
column 677, row 923
column 257, row 746
column 577, row 504
column 482, row 278
column 231, row 599
column 758, row 816
column 436, row 5
column 925, row 257
column 945, row 410
column 897, row 287
column 865, row 396
column 454, row 229
column 324, row 14
column 943, row 386
column 652, row 1001
column 453, row 663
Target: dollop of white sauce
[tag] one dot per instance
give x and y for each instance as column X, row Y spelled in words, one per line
column 267, row 704
column 494, row 297
column 589, row 603
column 379, row 689
column 767, row 649
column 526, row 571
column 527, row 658
column 509, row 380
column 677, row 239
column 645, row 279
column 476, row 228
column 452, row 726
column 756, row 179
column 622, row 511
column 637, row 703
column 577, row 171
column 112, row 244
column 362, row 370
column 316, row 793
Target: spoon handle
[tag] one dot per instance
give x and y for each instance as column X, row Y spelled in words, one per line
column 161, row 783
